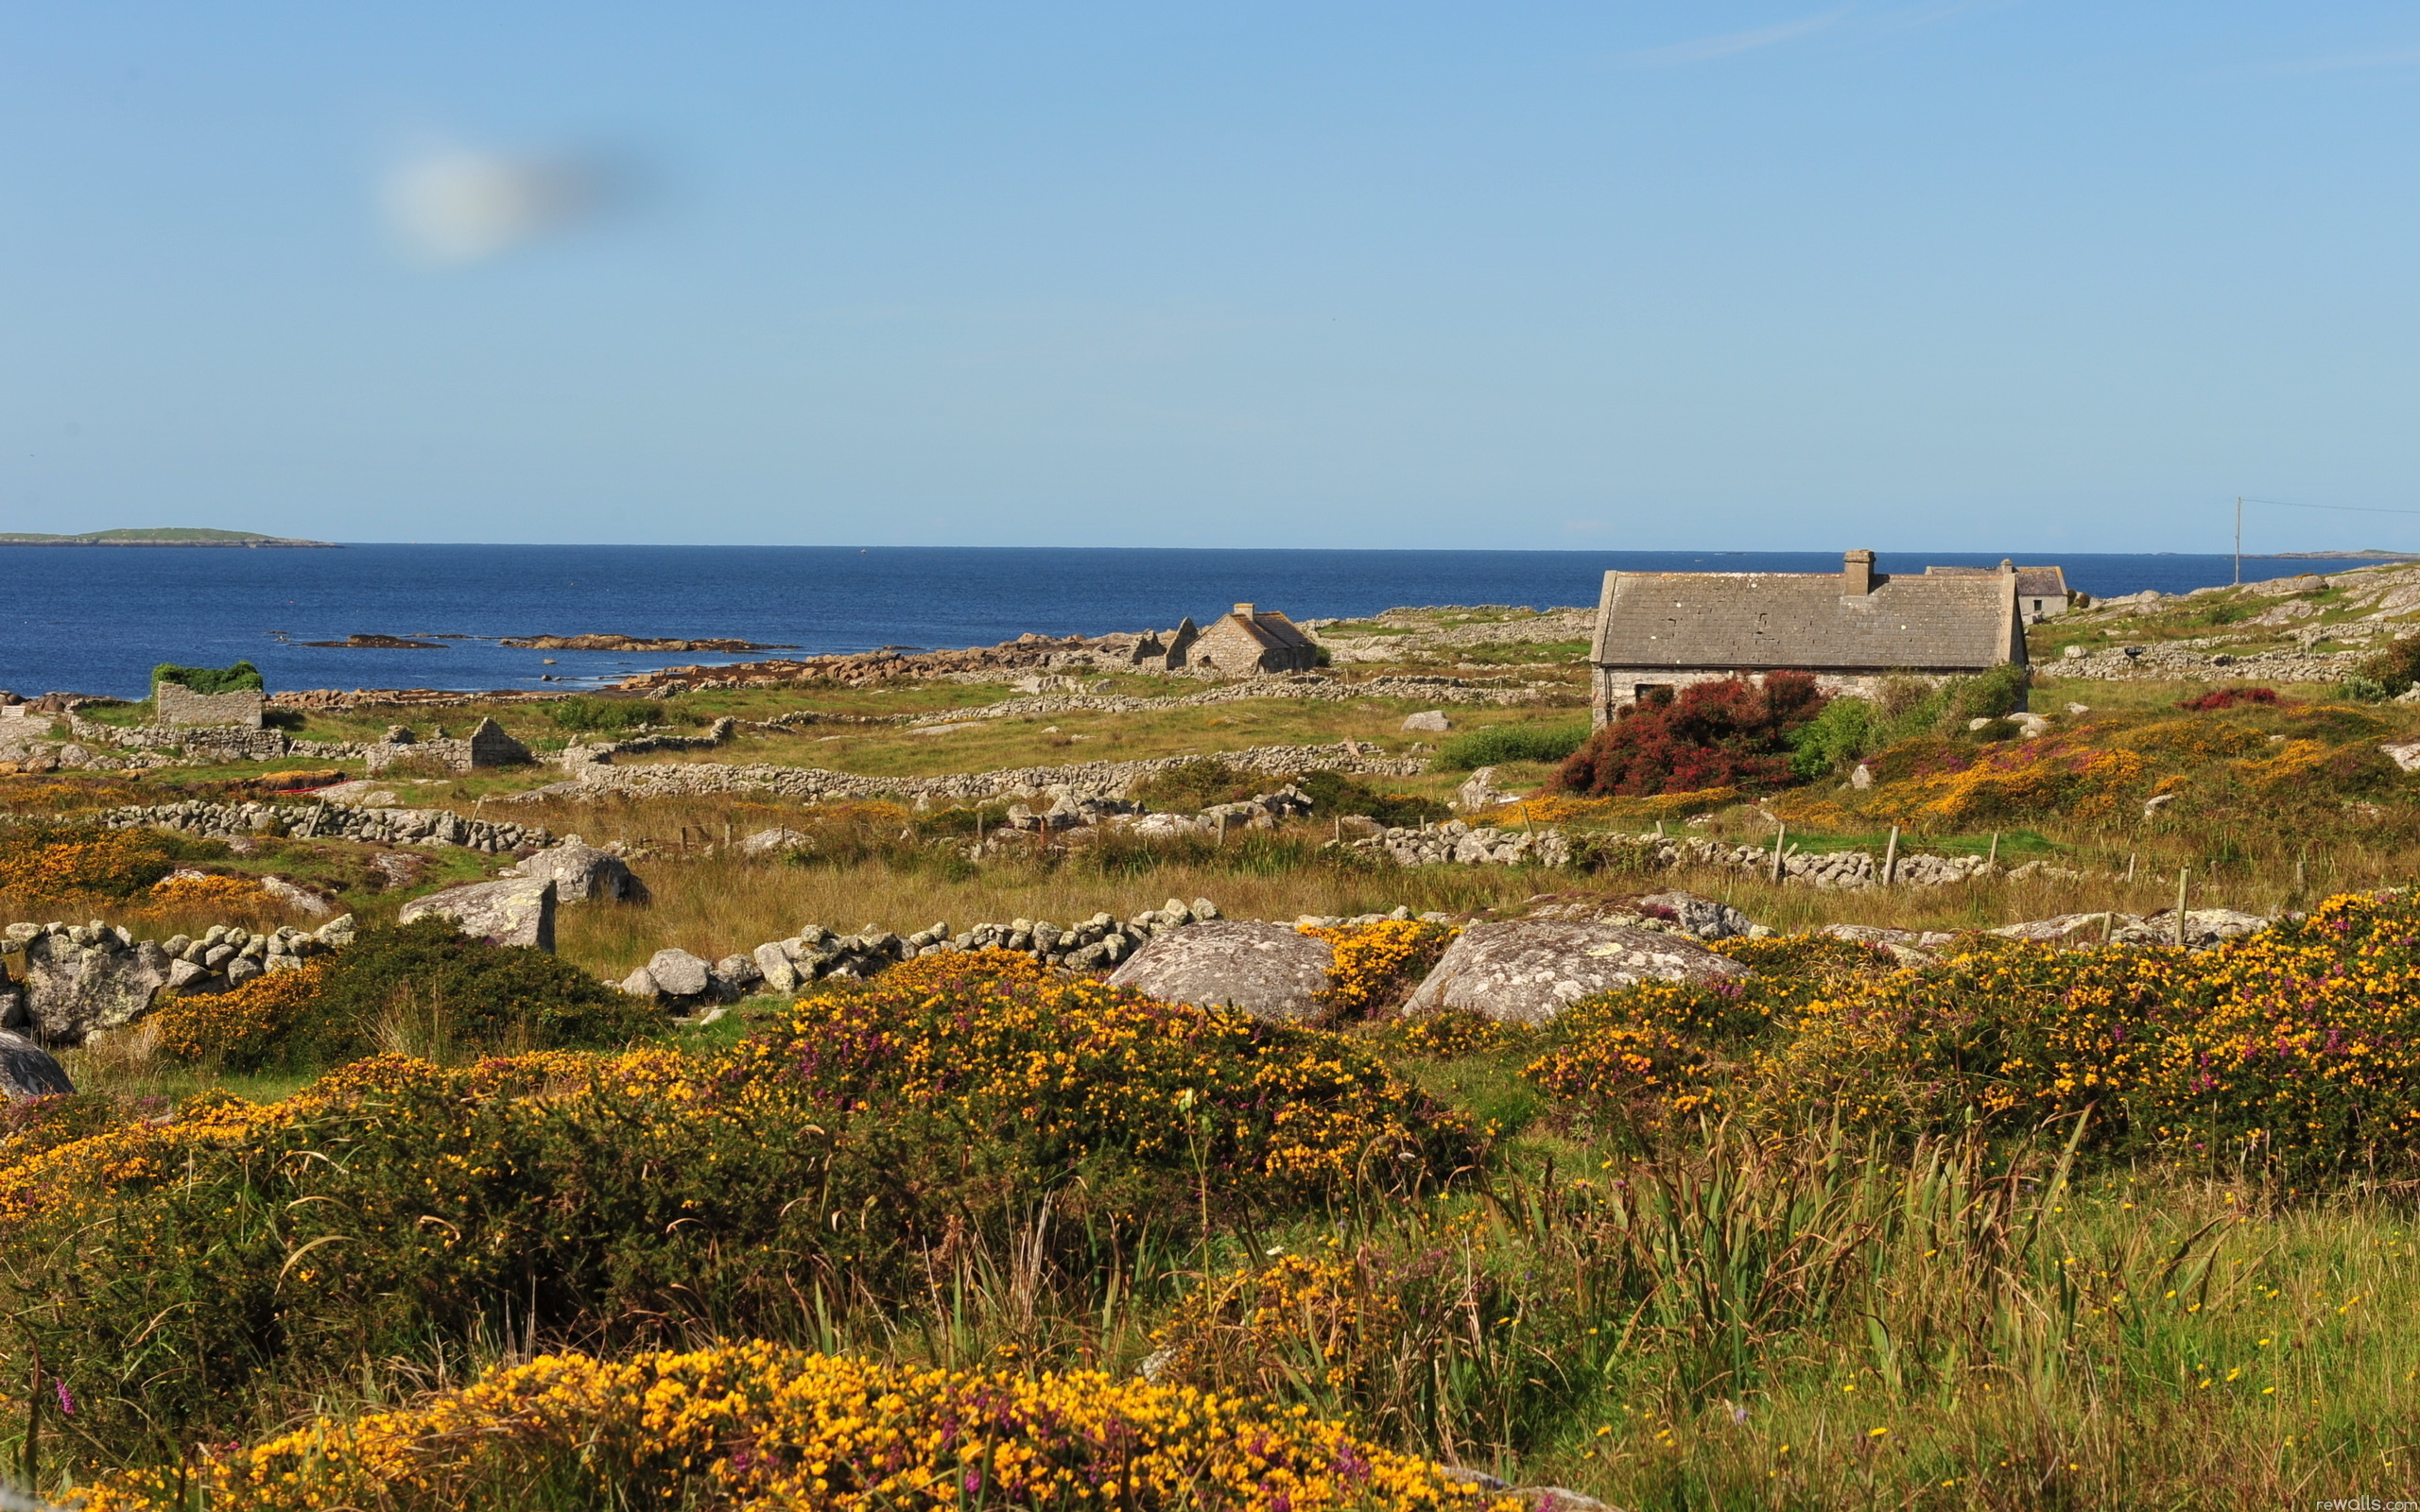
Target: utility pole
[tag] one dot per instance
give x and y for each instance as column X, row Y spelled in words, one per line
column 2239, row 540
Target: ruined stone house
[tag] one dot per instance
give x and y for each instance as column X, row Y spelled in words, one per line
column 2041, row 592
column 174, row 704
column 1253, row 641
column 1657, row 632
column 1154, row 652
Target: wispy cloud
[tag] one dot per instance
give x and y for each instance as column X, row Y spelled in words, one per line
column 1730, row 45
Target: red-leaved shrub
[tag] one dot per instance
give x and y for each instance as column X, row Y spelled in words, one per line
column 1730, row 734
column 2228, row 698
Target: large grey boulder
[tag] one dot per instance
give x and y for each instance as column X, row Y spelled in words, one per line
column 1526, row 971
column 583, row 872
column 302, row 900
column 27, row 1070
column 1268, row 971
column 774, row 842
column 83, row 980
column 510, row 911
column 678, row 974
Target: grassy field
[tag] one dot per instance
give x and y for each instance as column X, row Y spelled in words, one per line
column 1852, row 1236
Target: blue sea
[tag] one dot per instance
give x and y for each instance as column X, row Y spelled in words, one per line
column 96, row 620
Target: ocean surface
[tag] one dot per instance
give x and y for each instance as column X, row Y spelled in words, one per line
column 96, row 620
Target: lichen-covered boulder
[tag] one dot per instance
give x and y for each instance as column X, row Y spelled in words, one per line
column 583, row 872
column 678, row 974
column 1268, row 971
column 1526, row 970
column 509, row 911
column 82, row 980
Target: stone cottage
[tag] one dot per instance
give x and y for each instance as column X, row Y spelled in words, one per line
column 1253, row 641
column 2041, row 592
column 1657, row 632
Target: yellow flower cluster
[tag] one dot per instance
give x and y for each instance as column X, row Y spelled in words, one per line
column 200, row 891
column 1377, row 965
column 755, row 1427
column 41, row 862
column 241, row 1027
column 997, row 1044
column 2300, row 1043
column 139, row 1152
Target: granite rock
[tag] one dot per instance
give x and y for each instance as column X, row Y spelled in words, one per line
column 1526, row 970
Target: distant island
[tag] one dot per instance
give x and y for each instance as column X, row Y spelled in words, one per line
column 172, row 535
column 2365, row 554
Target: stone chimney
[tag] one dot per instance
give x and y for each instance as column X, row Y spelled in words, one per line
column 1856, row 573
column 1244, row 610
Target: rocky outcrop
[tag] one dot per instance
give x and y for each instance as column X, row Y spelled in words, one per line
column 1268, row 971
column 583, row 872
column 333, row 821
column 1526, row 971
column 510, row 911
column 27, row 1070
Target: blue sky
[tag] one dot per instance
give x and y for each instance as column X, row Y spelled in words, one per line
column 2018, row 276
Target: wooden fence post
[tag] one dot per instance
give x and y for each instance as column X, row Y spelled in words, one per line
column 1890, row 858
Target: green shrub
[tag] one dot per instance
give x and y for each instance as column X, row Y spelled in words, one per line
column 1496, row 744
column 242, row 677
column 425, row 987
column 1333, row 793
column 1991, row 694
column 1833, row 739
column 1195, row 785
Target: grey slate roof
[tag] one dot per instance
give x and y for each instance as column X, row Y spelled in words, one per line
column 1272, row 629
column 2031, row 582
column 1750, row 620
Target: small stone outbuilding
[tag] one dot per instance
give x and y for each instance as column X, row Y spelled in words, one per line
column 1253, row 641
column 1657, row 632
column 2041, row 592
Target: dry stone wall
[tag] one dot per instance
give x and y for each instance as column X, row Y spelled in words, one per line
column 333, row 821
column 1099, row 779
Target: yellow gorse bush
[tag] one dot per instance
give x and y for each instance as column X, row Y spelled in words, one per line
column 43, row 862
column 201, row 890
column 1081, row 1067
column 754, row 1426
column 2298, row 1044
column 1376, row 965
column 242, row 1027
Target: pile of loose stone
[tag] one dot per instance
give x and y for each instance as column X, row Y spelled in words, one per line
column 680, row 979
column 227, row 955
column 333, row 821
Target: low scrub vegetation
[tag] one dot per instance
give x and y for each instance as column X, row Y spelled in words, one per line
column 2016, row 1224
column 1501, row 745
